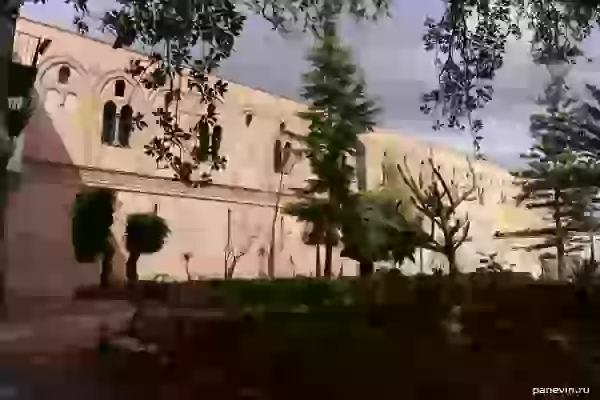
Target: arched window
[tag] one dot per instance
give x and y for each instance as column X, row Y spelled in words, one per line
column 125, row 126
column 361, row 167
column 109, row 122
column 64, row 73
column 481, row 196
column 120, row 88
column 277, row 161
column 248, row 116
column 286, row 153
column 287, row 158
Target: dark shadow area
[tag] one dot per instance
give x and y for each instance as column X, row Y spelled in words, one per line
column 480, row 336
column 50, row 382
column 42, row 264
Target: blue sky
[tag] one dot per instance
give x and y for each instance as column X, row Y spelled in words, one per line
column 396, row 67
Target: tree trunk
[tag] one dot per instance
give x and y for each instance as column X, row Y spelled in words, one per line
column 3, row 242
column 329, row 234
column 106, row 268
column 451, row 256
column 592, row 247
column 131, row 268
column 318, row 261
column 560, row 236
column 366, row 268
column 7, row 33
column 328, row 260
column 560, row 257
column 271, row 259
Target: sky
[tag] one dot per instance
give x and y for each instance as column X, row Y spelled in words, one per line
column 397, row 72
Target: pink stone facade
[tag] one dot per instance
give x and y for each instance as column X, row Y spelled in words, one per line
column 63, row 151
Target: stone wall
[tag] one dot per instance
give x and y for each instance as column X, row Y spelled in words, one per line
column 493, row 210
column 63, row 152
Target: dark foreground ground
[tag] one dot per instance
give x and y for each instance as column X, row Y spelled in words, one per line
column 46, row 347
column 50, row 350
column 491, row 350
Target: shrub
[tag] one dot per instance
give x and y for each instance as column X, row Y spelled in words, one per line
column 145, row 233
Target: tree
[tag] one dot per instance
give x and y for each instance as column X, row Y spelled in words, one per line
column 145, row 233
column 468, row 55
column 285, row 162
column 373, row 231
column 318, row 232
column 232, row 253
column 559, row 178
column 556, row 181
column 338, row 112
column 13, row 119
column 193, row 38
column 183, row 29
column 582, row 126
column 438, row 201
column 585, row 125
column 470, row 40
column 90, row 230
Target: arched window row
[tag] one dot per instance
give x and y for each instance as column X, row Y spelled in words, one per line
column 64, row 75
column 117, row 124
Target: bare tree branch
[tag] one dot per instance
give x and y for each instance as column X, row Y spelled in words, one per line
column 439, row 202
column 410, row 182
column 436, row 171
column 230, row 254
column 464, row 236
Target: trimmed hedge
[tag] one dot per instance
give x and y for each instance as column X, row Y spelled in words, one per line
column 309, row 294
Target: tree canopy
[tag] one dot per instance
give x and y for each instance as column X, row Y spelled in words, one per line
column 338, row 112
column 145, row 233
column 379, row 228
column 92, row 218
column 469, row 40
column 560, row 178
